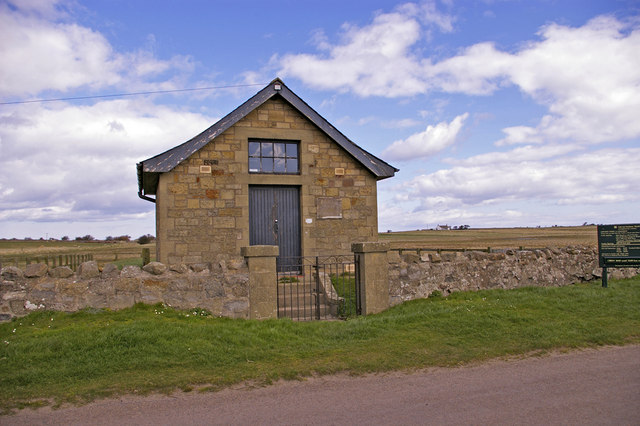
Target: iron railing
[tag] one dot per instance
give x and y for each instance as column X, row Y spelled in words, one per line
column 316, row 288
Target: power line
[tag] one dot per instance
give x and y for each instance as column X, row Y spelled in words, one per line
column 119, row 95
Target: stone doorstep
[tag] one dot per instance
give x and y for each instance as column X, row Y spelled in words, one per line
column 297, row 301
column 306, row 314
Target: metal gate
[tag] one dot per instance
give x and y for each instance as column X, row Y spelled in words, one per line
column 274, row 219
column 315, row 288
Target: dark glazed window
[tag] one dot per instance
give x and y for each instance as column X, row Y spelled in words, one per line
column 273, row 157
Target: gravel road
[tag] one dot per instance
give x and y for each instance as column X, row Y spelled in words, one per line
column 581, row 387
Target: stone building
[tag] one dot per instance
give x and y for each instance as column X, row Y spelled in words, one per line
column 272, row 172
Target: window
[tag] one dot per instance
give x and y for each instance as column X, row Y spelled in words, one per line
column 273, row 157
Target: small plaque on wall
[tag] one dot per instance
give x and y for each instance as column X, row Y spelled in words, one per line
column 329, row 208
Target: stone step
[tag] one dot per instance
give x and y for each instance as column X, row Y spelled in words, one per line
column 300, row 313
column 302, row 308
column 297, row 300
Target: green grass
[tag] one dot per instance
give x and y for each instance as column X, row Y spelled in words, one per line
column 51, row 358
column 131, row 261
column 345, row 286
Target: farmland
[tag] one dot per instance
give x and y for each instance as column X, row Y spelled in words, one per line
column 17, row 252
column 557, row 236
column 122, row 252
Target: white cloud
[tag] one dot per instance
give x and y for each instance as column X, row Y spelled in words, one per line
column 514, row 190
column 588, row 77
column 520, row 154
column 431, row 15
column 52, row 9
column 602, row 176
column 428, row 142
column 400, row 123
column 478, row 70
column 67, row 162
column 396, row 218
column 41, row 51
column 372, row 60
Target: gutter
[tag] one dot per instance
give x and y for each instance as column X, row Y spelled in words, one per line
column 140, row 184
column 144, row 197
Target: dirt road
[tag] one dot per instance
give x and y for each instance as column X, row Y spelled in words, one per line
column 583, row 387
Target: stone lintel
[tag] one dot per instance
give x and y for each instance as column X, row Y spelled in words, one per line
column 260, row 251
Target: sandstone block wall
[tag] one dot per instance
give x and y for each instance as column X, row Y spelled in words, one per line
column 223, row 291
column 414, row 276
column 203, row 216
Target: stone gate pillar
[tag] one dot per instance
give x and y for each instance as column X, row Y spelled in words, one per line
column 263, row 290
column 374, row 276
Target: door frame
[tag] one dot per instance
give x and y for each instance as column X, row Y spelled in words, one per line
column 291, row 224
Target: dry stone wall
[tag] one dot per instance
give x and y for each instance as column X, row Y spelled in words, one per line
column 415, row 276
column 223, row 289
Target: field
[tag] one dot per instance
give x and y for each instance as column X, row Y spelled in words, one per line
column 130, row 252
column 560, row 236
column 127, row 253
column 17, row 252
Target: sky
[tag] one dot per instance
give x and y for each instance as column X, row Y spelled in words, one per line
column 498, row 113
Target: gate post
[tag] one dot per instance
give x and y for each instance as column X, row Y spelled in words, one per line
column 263, row 289
column 373, row 272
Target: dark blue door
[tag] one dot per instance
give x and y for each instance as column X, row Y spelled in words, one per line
column 274, row 219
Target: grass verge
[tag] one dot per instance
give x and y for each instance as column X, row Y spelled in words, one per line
column 52, row 357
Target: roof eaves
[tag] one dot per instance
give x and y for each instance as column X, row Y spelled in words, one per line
column 378, row 167
column 169, row 159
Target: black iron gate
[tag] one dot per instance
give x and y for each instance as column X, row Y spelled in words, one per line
column 316, row 288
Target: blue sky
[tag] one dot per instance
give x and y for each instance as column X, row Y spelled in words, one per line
column 497, row 113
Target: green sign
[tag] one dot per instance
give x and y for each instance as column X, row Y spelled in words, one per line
column 619, row 245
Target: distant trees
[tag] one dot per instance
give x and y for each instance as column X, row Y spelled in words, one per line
column 461, row 227
column 447, row 227
column 146, row 239
column 125, row 238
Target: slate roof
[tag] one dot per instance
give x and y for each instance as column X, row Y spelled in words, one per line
column 149, row 169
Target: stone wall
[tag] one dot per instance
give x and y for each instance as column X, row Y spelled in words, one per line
column 229, row 288
column 415, row 276
column 223, row 290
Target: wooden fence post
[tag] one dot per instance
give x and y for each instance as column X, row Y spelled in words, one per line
column 146, row 256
